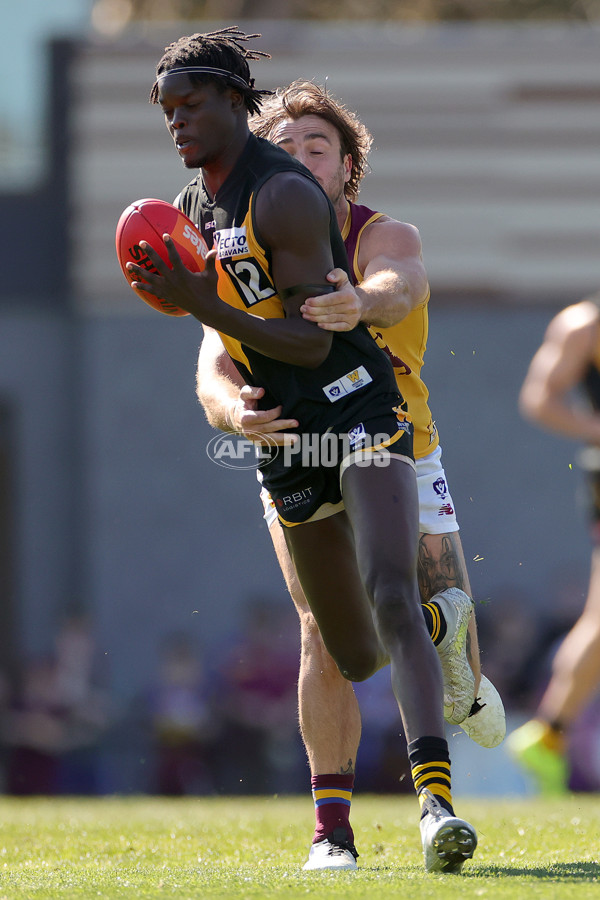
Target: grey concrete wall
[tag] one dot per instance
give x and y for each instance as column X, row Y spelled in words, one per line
column 38, row 355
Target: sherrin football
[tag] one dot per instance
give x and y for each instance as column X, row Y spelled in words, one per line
column 147, row 220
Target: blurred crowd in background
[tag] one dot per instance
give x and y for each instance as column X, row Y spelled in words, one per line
column 223, row 719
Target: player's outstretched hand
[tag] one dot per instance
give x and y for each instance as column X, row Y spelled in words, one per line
column 196, row 292
column 252, row 422
column 339, row 311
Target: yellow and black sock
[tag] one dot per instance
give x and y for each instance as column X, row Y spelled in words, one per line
column 435, row 621
column 430, row 768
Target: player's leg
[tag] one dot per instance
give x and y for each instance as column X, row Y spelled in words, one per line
column 330, row 725
column 540, row 744
column 448, row 609
column 376, row 496
column 324, row 559
column 470, row 699
column 323, row 555
column 576, row 666
column 441, row 562
column 381, row 503
column 444, row 581
column 441, row 565
column 328, row 709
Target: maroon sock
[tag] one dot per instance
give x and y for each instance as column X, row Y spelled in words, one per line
column 332, row 795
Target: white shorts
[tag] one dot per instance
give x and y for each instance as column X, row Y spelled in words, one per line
column 436, row 507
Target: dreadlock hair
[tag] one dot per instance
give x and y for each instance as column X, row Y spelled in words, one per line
column 220, row 50
column 305, row 98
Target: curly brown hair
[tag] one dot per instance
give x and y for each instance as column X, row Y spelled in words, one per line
column 305, row 98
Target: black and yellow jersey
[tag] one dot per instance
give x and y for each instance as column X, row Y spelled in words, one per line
column 356, row 381
column 405, row 343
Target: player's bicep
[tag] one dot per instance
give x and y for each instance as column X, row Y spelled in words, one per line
column 293, row 217
column 560, row 363
column 395, row 247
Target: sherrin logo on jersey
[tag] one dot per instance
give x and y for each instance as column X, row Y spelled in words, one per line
column 352, row 381
column 231, row 242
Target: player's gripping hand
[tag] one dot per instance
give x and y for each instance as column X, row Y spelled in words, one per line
column 247, row 419
column 339, row 311
column 196, row 292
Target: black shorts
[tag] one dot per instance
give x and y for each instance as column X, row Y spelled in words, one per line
column 305, row 484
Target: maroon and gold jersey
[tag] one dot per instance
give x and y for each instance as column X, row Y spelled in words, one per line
column 405, row 343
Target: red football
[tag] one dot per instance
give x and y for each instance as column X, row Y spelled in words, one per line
column 147, row 220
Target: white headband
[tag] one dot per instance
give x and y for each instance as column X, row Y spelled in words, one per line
column 205, row 70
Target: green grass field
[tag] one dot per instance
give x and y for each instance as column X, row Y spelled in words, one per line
column 255, row 848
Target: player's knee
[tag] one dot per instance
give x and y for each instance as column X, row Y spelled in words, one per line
column 383, row 580
column 360, row 665
column 309, row 630
column 312, row 647
column 397, row 609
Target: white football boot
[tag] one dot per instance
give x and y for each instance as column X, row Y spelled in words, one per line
column 459, row 681
column 335, row 852
column 486, row 723
column 447, row 841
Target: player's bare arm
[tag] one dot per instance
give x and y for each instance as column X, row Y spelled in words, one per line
column 556, row 369
column 218, row 382
column 228, row 403
column 299, row 242
column 395, row 281
column 301, row 257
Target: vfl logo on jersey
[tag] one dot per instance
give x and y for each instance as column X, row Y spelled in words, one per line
column 231, row 242
column 357, row 436
column 440, row 487
column 348, row 383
